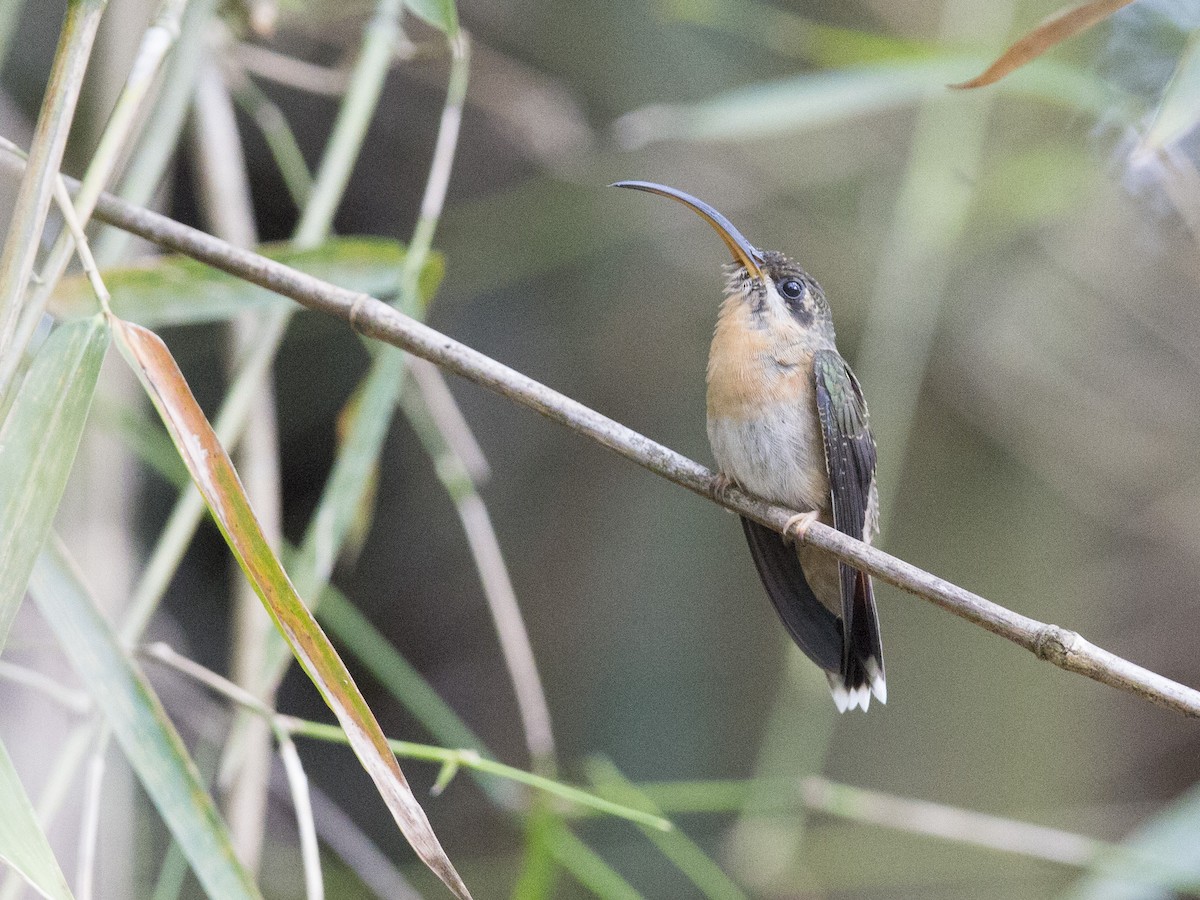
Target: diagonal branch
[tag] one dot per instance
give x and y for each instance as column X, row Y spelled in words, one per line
column 377, row 319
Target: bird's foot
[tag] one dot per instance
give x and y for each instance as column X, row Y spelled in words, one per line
column 797, row 526
column 720, row 487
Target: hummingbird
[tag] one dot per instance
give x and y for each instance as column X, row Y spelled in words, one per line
column 787, row 422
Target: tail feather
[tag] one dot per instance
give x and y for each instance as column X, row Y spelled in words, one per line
column 862, row 672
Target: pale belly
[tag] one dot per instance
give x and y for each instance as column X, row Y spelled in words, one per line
column 779, row 456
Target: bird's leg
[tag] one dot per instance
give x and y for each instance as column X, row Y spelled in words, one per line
column 720, row 485
column 797, row 526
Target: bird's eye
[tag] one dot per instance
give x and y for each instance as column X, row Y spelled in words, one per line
column 792, row 289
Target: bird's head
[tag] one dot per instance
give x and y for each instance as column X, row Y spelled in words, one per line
column 780, row 293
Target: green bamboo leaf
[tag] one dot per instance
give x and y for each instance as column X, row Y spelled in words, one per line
column 401, row 679
column 175, row 290
column 441, row 14
column 1157, row 862
column 38, row 442
column 826, row 98
column 539, row 872
column 214, row 475
column 140, row 725
column 676, row 846
column 22, row 843
column 457, row 759
column 349, row 483
column 587, row 866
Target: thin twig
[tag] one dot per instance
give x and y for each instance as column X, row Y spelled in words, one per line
column 341, row 834
column 49, row 143
column 121, row 128
column 447, row 757
column 328, row 81
column 497, row 585
column 450, row 421
column 964, row 826
column 780, row 797
column 374, row 318
column 76, row 701
column 314, row 885
column 89, row 829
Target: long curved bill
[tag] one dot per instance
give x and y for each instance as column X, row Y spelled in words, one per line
column 743, row 251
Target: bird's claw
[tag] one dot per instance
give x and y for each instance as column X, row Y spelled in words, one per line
column 797, row 526
column 720, row 487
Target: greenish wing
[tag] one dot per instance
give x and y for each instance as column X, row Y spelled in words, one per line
column 849, row 447
column 850, row 459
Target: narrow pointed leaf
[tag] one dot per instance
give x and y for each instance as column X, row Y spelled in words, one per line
column 213, row 473
column 1064, row 24
column 823, row 99
column 140, row 725
column 441, row 14
column 1157, row 861
column 23, row 846
column 175, row 290
column 686, row 855
column 347, row 489
column 38, row 442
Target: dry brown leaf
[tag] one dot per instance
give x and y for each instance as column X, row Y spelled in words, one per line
column 213, row 473
column 1063, row 24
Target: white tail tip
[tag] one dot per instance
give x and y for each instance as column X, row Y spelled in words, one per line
column 845, row 698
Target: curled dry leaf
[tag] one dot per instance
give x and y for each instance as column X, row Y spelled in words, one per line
column 213, row 473
column 1065, row 23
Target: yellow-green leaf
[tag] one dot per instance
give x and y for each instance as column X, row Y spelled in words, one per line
column 38, row 441
column 175, row 290
column 441, row 14
column 23, row 846
column 214, row 475
column 140, row 725
column 1064, row 24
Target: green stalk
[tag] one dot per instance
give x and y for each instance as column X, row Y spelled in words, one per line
column 45, row 158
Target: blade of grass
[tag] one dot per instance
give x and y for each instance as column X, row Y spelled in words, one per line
column 498, row 589
column 1127, row 871
column 65, row 766
column 342, row 497
column 159, row 138
column 176, row 290
column 586, row 865
column 827, row 98
column 684, row 853
column 45, row 157
column 472, row 760
column 38, row 442
column 341, row 500
column 539, row 873
column 126, row 116
column 22, row 843
column 218, row 482
column 385, row 663
column 440, row 14
column 140, row 725
column 797, row 36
